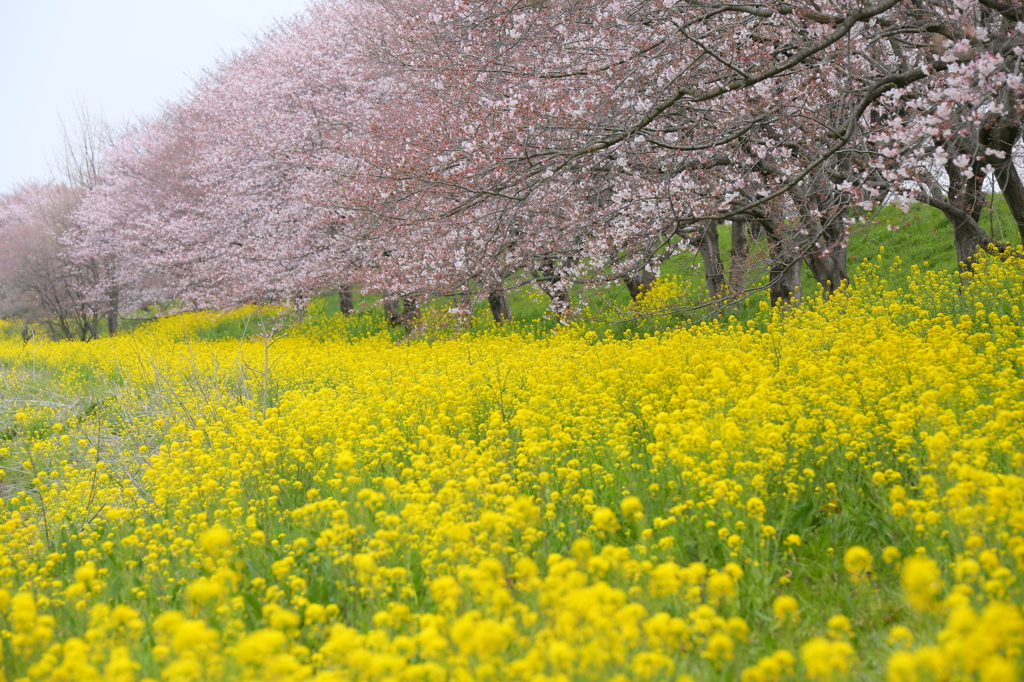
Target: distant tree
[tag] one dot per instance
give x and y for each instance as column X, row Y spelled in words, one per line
column 222, row 199
column 85, row 140
column 40, row 282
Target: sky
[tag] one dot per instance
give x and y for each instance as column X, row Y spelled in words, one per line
column 118, row 58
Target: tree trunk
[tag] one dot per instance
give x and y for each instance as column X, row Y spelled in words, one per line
column 965, row 189
column 784, row 258
column 402, row 312
column 113, row 317
column 63, row 328
column 784, row 281
column 57, row 332
column 829, row 269
column 89, row 327
column 500, row 309
column 640, row 283
column 410, row 310
column 392, row 312
column 827, row 255
column 1013, row 192
column 968, row 237
column 1001, row 135
column 711, row 254
column 345, row 300
column 784, row 268
column 550, row 282
column 738, row 257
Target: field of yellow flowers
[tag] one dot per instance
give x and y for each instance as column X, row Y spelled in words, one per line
column 834, row 493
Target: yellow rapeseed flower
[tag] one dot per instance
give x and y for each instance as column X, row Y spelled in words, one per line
column 921, row 581
column 604, row 520
column 824, row 659
column 786, row 609
column 858, row 562
column 215, row 540
column 901, row 636
column 632, row 508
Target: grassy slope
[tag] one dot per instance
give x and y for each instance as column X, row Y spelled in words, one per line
column 922, row 237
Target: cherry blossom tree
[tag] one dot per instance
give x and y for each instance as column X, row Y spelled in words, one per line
column 218, row 200
column 943, row 136
column 548, row 134
column 40, row 283
column 588, row 135
column 43, row 281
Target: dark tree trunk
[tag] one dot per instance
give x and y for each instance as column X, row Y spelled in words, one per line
column 640, row 283
column 403, row 312
column 828, row 269
column 410, row 310
column 550, row 282
column 738, row 257
column 345, row 300
column 784, row 259
column 65, row 327
column 561, row 300
column 1002, row 135
column 711, row 254
column 113, row 316
column 964, row 196
column 968, row 237
column 392, row 312
column 500, row 309
column 58, row 331
column 965, row 189
column 826, row 255
column 976, row 190
column 784, row 281
column 1013, row 192
column 784, row 267
column 88, row 327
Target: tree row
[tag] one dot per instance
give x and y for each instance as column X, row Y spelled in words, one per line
column 465, row 148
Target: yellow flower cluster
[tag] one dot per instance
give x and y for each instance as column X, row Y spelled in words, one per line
column 827, row 494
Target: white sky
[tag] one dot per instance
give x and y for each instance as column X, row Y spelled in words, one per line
column 119, row 57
